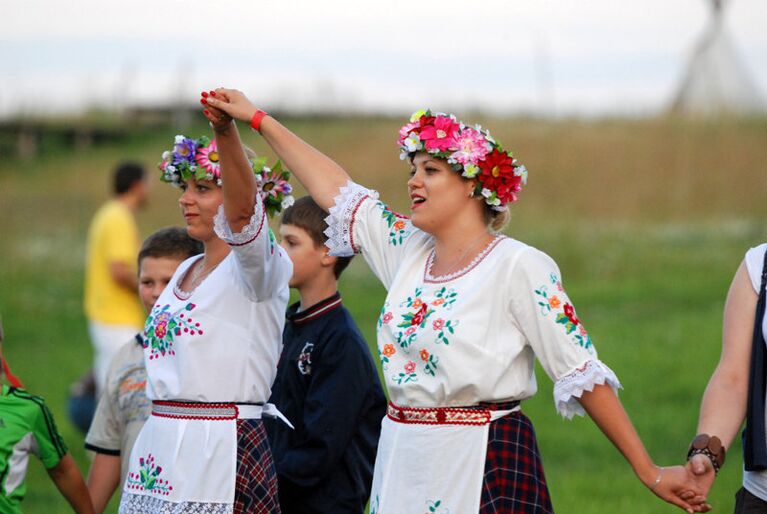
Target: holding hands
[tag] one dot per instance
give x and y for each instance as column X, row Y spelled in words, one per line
column 679, row 486
column 232, row 103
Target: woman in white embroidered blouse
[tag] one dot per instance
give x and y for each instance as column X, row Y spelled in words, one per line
column 211, row 345
column 466, row 312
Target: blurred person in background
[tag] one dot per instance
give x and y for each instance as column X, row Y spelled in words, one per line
column 124, row 406
column 737, row 388
column 113, row 312
column 211, row 345
column 27, row 427
column 467, row 311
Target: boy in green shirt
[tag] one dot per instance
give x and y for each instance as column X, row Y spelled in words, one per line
column 27, row 427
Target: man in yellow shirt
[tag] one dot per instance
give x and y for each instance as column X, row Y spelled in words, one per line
column 114, row 313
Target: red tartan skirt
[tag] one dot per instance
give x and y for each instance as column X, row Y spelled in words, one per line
column 255, row 490
column 514, row 480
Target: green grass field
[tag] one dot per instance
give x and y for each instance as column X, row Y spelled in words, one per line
column 648, row 221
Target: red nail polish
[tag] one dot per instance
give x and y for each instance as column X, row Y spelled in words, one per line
column 212, row 93
column 203, row 101
column 206, row 111
column 204, row 94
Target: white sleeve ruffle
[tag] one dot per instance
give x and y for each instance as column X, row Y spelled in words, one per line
column 248, row 233
column 340, row 219
column 571, row 386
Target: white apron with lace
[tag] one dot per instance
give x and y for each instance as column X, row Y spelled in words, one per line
column 220, row 343
column 458, row 340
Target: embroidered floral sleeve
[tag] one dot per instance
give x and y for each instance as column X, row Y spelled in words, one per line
column 546, row 315
column 360, row 223
column 262, row 267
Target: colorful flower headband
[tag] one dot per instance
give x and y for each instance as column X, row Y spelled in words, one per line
column 198, row 159
column 471, row 151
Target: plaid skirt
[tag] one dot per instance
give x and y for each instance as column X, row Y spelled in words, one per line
column 514, row 480
column 256, row 481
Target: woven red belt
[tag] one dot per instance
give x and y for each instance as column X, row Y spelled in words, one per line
column 194, row 410
column 479, row 415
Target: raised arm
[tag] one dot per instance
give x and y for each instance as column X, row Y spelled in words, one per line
column 238, row 183
column 724, row 402
column 318, row 173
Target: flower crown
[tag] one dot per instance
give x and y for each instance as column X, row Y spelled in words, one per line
column 471, row 151
column 198, row 159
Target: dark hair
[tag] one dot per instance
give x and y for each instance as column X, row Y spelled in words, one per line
column 127, row 174
column 170, row 242
column 306, row 214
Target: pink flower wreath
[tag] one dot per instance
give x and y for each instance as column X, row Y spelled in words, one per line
column 471, row 151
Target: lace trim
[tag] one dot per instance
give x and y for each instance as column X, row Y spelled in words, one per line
column 570, row 387
column 428, row 277
column 132, row 503
column 249, row 232
column 341, row 216
column 180, row 293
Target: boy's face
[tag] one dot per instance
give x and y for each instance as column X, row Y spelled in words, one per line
column 308, row 259
column 154, row 274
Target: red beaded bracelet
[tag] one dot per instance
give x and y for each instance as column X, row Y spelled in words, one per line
column 255, row 121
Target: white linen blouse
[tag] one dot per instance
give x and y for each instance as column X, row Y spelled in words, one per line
column 471, row 336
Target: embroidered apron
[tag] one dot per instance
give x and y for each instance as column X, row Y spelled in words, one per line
column 185, row 458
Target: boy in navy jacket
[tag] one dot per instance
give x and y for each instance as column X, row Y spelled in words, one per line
column 326, row 384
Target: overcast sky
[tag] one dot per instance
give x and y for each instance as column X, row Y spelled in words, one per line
column 555, row 57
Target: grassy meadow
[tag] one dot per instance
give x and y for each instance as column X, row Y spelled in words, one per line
column 648, row 221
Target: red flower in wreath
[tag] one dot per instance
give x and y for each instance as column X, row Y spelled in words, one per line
column 570, row 313
column 497, row 174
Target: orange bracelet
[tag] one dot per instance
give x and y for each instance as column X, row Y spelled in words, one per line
column 255, row 121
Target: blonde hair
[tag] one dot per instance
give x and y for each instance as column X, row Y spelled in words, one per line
column 496, row 220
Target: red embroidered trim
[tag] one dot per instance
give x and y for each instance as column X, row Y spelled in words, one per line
column 177, row 410
column 319, row 312
column 351, row 223
column 260, row 227
column 438, row 415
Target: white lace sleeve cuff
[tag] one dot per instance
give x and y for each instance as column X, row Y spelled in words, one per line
column 340, row 219
column 249, row 232
column 570, row 387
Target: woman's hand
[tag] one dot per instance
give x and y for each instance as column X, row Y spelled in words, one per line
column 220, row 121
column 701, row 466
column 231, row 101
column 680, row 487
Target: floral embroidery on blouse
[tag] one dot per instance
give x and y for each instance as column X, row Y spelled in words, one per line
column 409, row 374
column 565, row 312
column 424, row 316
column 147, row 478
column 399, row 225
column 374, row 503
column 162, row 326
column 434, row 507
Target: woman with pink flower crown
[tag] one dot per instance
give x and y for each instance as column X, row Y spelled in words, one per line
column 466, row 313
column 212, row 341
